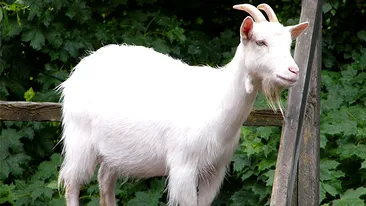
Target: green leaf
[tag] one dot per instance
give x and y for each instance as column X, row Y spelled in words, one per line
column 362, row 35
column 322, row 192
column 14, row 29
column 270, row 175
column 53, row 185
column 57, row 4
column 60, row 202
column 4, row 169
column 363, row 165
column 199, row 21
column 54, row 38
column 10, row 139
column 246, row 173
column 16, row 87
column 349, row 202
column 11, row 162
column 94, row 201
column 260, row 190
column 252, row 146
column 346, row 128
column 176, row 34
column 6, row 193
column 35, row 37
column 265, row 164
column 323, row 140
column 241, row 161
column 37, row 190
column 160, row 46
column 352, row 194
column 348, row 150
column 47, row 169
column 72, row 48
column 351, row 197
column 328, row 164
column 328, row 170
column 28, row 95
column 157, row 186
column 6, row 20
column 93, row 189
column 3, row 91
column 327, row 7
column 358, row 113
column 144, row 199
column 29, row 132
column 16, row 163
column 244, row 196
column 18, row 20
column 1, row 14
column 330, row 189
column 150, row 197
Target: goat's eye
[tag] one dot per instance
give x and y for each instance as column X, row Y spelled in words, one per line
column 261, row 43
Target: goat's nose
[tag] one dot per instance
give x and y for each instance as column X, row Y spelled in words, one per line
column 294, row 70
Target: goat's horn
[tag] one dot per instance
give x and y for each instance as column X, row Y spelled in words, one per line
column 269, row 11
column 252, row 10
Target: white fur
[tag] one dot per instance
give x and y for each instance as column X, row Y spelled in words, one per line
column 139, row 114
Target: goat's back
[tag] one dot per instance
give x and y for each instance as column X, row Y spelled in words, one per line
column 128, row 78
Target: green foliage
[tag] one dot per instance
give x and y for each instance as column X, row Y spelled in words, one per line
column 38, row 189
column 150, row 197
column 254, row 164
column 41, row 41
column 343, row 132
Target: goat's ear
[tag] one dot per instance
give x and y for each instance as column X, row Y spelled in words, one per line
column 296, row 30
column 246, row 27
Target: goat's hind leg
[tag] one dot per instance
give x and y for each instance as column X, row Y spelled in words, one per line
column 107, row 178
column 72, row 194
column 182, row 185
column 209, row 186
column 79, row 163
column 73, row 178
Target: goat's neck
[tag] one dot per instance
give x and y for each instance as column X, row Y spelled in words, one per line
column 240, row 91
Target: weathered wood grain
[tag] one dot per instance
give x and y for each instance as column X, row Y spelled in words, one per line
column 30, row 111
column 49, row 111
column 309, row 161
column 264, row 117
column 286, row 166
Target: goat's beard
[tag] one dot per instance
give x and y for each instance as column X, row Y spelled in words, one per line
column 272, row 92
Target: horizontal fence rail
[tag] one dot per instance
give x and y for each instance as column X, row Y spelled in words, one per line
column 51, row 111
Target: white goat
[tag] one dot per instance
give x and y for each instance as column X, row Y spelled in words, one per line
column 139, row 113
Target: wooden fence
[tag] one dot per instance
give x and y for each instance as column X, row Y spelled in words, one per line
column 296, row 180
column 50, row 111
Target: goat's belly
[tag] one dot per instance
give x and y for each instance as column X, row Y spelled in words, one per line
column 135, row 164
column 140, row 155
column 141, row 169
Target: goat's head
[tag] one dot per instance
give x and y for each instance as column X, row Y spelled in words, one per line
column 267, row 51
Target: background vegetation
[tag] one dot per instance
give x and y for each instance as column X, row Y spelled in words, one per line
column 40, row 41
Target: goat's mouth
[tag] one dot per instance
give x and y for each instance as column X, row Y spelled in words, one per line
column 286, row 80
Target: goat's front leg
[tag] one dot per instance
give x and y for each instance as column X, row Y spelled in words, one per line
column 209, row 185
column 107, row 179
column 182, row 185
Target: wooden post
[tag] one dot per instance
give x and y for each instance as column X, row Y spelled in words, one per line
column 309, row 161
column 286, row 167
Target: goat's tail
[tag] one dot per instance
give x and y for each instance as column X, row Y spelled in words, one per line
column 80, row 157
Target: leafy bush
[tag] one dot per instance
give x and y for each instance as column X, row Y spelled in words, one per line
column 40, row 42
